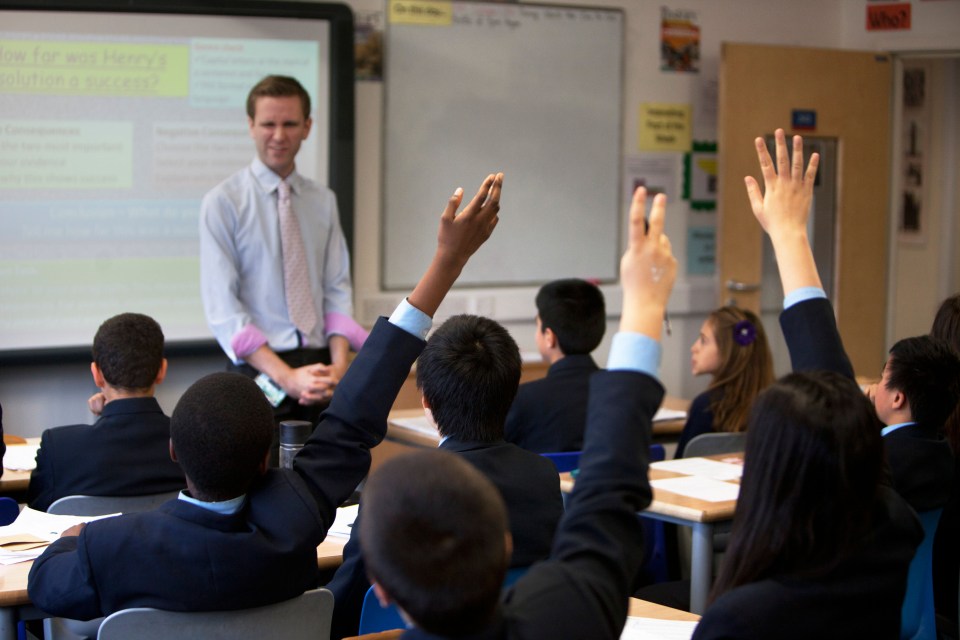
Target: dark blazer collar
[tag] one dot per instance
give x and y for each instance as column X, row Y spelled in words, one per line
column 192, row 513
column 459, row 446
column 493, row 631
column 582, row 362
column 131, row 405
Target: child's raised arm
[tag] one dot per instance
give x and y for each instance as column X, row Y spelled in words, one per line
column 783, row 208
column 460, row 235
column 647, row 268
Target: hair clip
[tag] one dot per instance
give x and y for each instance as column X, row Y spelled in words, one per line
column 744, row 333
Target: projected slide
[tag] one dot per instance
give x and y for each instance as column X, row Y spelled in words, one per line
column 109, row 137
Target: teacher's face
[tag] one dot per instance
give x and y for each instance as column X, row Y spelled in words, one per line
column 278, row 128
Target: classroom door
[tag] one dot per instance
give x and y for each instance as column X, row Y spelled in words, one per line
column 849, row 92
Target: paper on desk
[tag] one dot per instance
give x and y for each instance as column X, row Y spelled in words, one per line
column 699, row 487
column 653, row 629
column 31, row 526
column 343, row 524
column 21, row 457
column 702, row 467
column 669, row 414
column 419, row 424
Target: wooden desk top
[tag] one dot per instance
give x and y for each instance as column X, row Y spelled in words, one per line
column 404, row 434
column 684, row 507
column 13, row 577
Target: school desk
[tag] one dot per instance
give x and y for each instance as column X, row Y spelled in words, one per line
column 638, row 608
column 16, row 481
column 15, row 604
column 699, row 515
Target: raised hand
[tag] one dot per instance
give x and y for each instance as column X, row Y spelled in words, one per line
column 459, row 237
column 784, row 205
column 647, row 268
column 783, row 209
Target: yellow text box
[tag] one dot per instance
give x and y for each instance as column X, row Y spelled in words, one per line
column 421, row 12
column 664, row 127
column 93, row 68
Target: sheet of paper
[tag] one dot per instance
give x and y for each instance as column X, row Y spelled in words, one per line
column 705, row 467
column 699, row 487
column 419, row 424
column 21, row 457
column 343, row 524
column 653, row 629
column 669, row 414
column 31, row 526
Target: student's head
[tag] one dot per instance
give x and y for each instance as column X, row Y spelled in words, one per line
column 731, row 340
column 220, row 433
column 570, row 316
column 468, row 375
column 920, row 382
column 434, row 537
column 946, row 325
column 278, row 115
column 732, row 347
column 128, row 353
column 812, row 465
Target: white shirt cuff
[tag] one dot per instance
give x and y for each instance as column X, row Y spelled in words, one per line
column 802, row 294
column 412, row 320
column 635, row 352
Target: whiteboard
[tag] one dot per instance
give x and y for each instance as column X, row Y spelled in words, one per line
column 533, row 91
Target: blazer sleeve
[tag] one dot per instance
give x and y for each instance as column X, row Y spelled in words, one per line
column 583, row 589
column 61, row 580
column 336, row 457
column 40, row 491
column 810, row 330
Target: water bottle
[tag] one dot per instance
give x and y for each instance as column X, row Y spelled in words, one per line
column 293, row 435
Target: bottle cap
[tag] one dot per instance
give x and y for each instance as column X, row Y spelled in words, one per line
column 295, row 432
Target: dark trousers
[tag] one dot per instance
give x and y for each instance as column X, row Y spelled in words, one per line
column 290, row 408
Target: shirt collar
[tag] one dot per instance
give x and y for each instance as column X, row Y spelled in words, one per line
column 270, row 180
column 226, row 507
column 893, row 427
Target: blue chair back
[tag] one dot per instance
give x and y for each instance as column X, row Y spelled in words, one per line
column 374, row 618
column 564, row 460
column 917, row 617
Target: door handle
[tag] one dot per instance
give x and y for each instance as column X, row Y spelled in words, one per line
column 736, row 285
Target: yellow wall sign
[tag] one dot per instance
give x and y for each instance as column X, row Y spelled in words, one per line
column 664, row 127
column 421, row 12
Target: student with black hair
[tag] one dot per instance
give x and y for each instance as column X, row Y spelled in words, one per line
column 820, row 545
column 245, row 535
column 125, row 452
column 946, row 551
column 550, row 414
column 918, row 390
column 467, row 376
column 435, row 531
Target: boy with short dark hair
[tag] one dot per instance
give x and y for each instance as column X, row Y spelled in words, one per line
column 125, row 452
column 428, row 552
column 549, row 414
column 919, row 389
column 248, row 537
column 468, row 375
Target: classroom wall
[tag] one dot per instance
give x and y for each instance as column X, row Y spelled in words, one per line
column 36, row 397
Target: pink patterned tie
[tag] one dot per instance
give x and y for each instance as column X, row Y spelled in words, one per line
column 296, row 280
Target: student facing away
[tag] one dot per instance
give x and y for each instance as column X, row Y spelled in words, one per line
column 435, row 531
column 821, row 544
column 126, row 451
column 243, row 534
column 468, row 375
column 550, row 414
